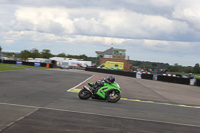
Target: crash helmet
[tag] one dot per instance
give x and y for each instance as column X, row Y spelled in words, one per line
column 111, row 79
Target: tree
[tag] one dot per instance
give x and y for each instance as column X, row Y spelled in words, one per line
column 84, row 57
column 10, row 54
column 61, row 55
column 25, row 54
column 196, row 68
column 176, row 68
column 0, row 49
column 46, row 53
column 72, row 56
column 35, row 53
column 188, row 69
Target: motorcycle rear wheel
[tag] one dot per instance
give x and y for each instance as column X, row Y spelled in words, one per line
column 84, row 94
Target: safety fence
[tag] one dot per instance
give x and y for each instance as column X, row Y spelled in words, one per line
column 117, row 72
column 173, row 79
column 147, row 76
column 198, row 82
column 37, row 64
column 164, row 78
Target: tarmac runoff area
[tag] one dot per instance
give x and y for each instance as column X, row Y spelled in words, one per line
column 41, row 104
column 75, row 90
column 189, row 96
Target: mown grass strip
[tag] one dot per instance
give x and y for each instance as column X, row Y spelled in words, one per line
column 6, row 68
column 25, row 66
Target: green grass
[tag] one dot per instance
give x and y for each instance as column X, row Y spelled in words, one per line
column 6, row 68
column 24, row 66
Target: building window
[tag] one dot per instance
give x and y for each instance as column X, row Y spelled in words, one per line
column 116, row 53
column 119, row 53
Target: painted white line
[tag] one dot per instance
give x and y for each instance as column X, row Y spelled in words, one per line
column 10, row 70
column 89, row 113
column 19, row 105
column 160, row 103
column 80, row 83
column 19, row 119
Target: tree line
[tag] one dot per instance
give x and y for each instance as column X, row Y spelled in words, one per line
column 186, row 69
column 170, row 68
column 34, row 53
column 46, row 53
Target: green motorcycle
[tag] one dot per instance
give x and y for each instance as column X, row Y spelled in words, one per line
column 102, row 89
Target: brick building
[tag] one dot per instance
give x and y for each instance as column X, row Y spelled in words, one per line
column 115, row 55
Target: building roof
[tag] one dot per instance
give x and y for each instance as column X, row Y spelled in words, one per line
column 106, row 52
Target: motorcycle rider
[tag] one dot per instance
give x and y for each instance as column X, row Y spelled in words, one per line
column 105, row 89
column 100, row 83
column 110, row 80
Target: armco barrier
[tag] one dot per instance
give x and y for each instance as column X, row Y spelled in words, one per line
column 117, row 72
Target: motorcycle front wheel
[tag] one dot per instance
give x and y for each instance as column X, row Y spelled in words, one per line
column 84, row 94
column 113, row 96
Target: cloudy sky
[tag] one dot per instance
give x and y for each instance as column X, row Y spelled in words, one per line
column 150, row 30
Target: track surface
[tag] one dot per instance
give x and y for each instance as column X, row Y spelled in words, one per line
column 37, row 101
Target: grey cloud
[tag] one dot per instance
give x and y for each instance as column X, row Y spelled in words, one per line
column 112, row 23
column 144, row 6
column 168, row 20
column 56, row 28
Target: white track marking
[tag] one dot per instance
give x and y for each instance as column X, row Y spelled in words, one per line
column 12, row 123
column 80, row 83
column 89, row 113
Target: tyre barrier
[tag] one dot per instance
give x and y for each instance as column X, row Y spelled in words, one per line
column 26, row 63
column 147, row 76
column 165, row 78
column 173, row 79
column 170, row 75
column 108, row 71
column 198, row 82
column 8, row 61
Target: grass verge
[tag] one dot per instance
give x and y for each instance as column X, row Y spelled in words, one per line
column 6, row 68
column 23, row 66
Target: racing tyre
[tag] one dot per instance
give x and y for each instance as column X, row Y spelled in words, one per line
column 84, row 94
column 113, row 96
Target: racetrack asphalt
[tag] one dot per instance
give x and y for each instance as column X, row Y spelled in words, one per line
column 149, row 90
column 37, row 101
